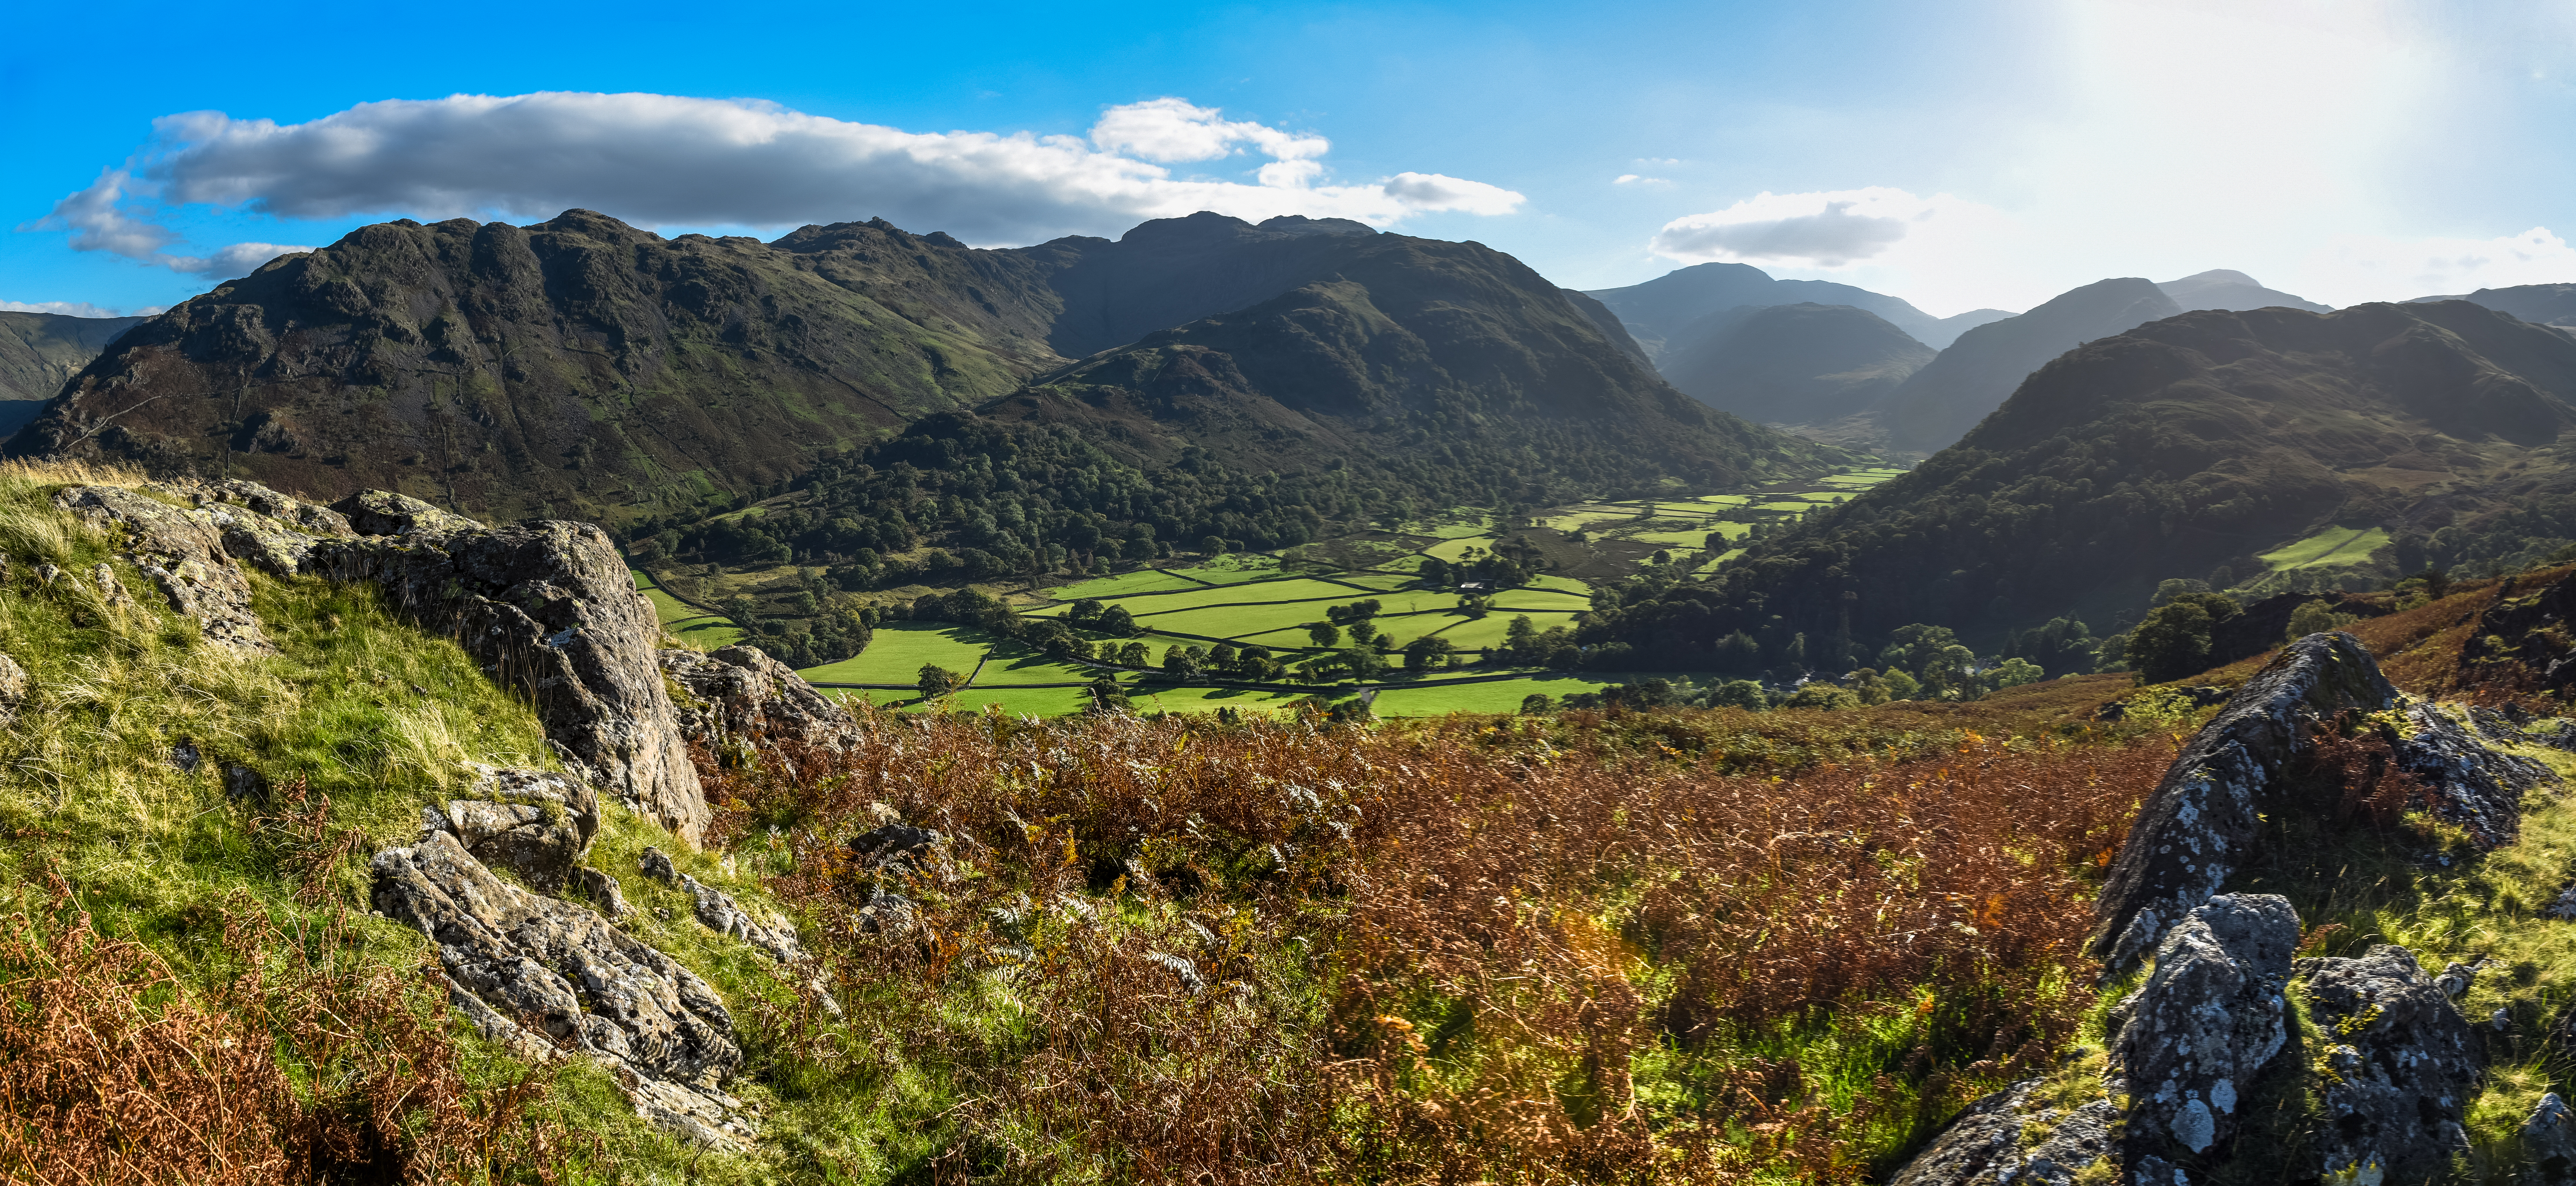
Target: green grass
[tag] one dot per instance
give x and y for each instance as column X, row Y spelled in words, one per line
column 2334, row 547
column 1233, row 568
column 899, row 649
column 1149, row 580
column 693, row 626
column 359, row 706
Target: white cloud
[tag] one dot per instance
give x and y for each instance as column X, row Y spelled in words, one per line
column 668, row 160
column 74, row 309
column 1634, row 179
column 1174, row 130
column 2388, row 268
column 99, row 221
column 1830, row 229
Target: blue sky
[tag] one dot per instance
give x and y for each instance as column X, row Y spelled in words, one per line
column 1958, row 155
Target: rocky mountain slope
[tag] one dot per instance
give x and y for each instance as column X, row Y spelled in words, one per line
column 39, row 352
column 2205, row 441
column 583, row 366
column 1659, row 310
column 1972, row 376
column 1792, row 364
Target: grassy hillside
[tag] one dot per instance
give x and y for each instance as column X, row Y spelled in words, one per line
column 2266, row 449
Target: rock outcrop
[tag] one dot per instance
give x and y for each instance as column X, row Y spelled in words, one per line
column 2472, row 784
column 739, row 697
column 2401, row 1067
column 534, row 824
column 2015, row 1136
column 183, row 552
column 14, row 688
column 2201, row 823
column 2206, row 1023
column 719, row 912
column 518, row 960
column 548, row 607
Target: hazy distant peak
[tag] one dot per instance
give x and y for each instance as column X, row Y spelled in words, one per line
column 2214, row 276
column 2234, row 291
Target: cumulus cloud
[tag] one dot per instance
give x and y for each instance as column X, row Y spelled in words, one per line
column 668, row 160
column 1175, row 130
column 1634, row 179
column 1830, row 229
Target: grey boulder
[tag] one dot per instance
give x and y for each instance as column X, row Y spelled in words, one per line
column 182, row 551
column 740, row 698
column 2011, row 1136
column 2209, row 1019
column 522, row 965
column 2403, row 1065
column 549, row 607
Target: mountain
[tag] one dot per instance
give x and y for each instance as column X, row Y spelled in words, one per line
column 2539, row 304
column 39, row 352
column 581, row 366
column 2220, row 288
column 1658, row 311
column 2408, row 433
column 1415, row 348
column 1973, row 375
column 1793, row 364
column 577, row 366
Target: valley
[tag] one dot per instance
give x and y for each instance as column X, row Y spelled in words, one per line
column 1269, row 600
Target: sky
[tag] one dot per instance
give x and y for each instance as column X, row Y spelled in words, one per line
column 1960, row 155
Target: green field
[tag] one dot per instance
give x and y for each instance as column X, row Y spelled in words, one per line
column 691, row 625
column 899, row 649
column 1253, row 599
column 2334, row 547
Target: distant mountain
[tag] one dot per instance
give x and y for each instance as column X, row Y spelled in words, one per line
column 2539, row 304
column 2220, row 288
column 1416, row 355
column 39, row 352
column 1800, row 364
column 2404, row 434
column 583, row 367
column 1974, row 375
column 1659, row 310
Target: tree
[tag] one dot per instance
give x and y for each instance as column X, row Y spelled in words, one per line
column 938, row 681
column 1536, row 703
column 1819, row 694
column 1739, row 693
column 1737, row 653
column 2013, row 673
column 1325, row 634
column 2316, row 617
column 1901, row 686
column 1474, row 605
column 1426, row 652
column 1363, row 633
column 1104, row 695
column 1213, row 545
column 1184, row 663
column 1117, row 622
column 1085, row 613
column 2173, row 641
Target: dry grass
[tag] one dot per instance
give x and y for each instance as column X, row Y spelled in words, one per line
column 308, row 1067
column 1424, row 961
